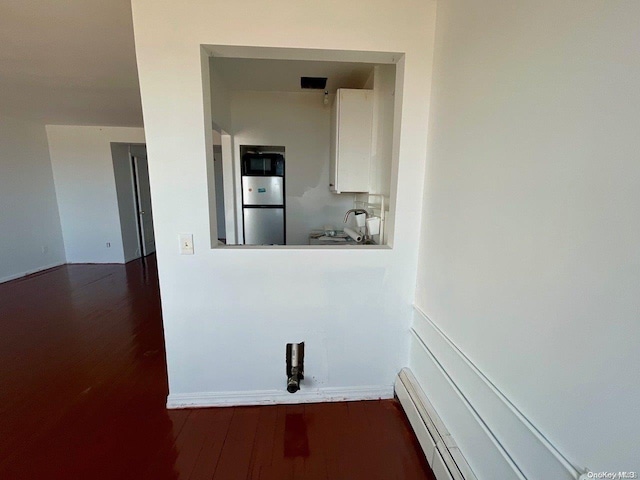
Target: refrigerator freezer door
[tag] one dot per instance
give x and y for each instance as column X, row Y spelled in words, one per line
column 262, row 190
column 263, row 226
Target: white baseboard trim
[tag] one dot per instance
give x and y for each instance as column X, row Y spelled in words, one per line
column 498, row 428
column 274, row 397
column 30, row 272
column 442, row 453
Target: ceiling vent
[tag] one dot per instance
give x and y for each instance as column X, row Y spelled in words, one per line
column 314, row 83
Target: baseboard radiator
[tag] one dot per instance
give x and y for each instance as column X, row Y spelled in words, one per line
column 498, row 440
column 444, row 457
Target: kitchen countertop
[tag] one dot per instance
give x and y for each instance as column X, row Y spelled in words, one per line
column 317, row 237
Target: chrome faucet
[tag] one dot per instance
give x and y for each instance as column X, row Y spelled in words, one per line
column 355, row 211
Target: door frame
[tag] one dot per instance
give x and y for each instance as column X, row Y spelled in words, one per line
column 136, row 194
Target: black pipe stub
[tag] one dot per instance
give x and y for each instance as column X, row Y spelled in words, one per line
column 295, row 366
column 293, row 385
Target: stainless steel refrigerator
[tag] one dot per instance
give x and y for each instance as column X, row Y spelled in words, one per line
column 263, row 205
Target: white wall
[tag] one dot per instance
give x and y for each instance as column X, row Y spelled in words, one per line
column 220, row 98
column 351, row 306
column 384, row 79
column 530, row 258
column 30, row 234
column 301, row 123
column 86, row 190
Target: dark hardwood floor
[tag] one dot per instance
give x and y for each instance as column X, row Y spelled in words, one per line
column 83, row 387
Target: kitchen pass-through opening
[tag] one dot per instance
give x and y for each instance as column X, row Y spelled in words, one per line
column 293, row 164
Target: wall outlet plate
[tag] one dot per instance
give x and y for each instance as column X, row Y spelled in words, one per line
column 186, row 244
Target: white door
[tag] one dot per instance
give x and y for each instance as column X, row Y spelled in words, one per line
column 145, row 215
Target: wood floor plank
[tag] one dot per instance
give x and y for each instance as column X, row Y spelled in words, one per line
column 332, row 426
column 279, row 471
column 200, row 426
column 361, row 462
column 277, row 452
column 263, row 445
column 217, row 430
column 296, row 440
column 399, row 443
column 315, row 465
column 236, row 452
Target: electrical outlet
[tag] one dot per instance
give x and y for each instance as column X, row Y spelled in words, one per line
column 186, row 244
column 108, row 244
column 45, row 249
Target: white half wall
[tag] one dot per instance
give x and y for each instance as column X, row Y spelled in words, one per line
column 352, row 307
column 301, row 123
column 86, row 190
column 530, row 258
column 30, row 234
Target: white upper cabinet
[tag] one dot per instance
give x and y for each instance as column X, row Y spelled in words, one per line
column 351, row 123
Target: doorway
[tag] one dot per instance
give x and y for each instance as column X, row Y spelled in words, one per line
column 131, row 171
column 142, row 191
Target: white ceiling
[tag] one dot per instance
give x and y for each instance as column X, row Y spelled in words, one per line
column 73, row 62
column 69, row 62
column 284, row 75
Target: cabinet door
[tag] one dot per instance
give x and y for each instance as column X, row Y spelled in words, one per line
column 354, row 122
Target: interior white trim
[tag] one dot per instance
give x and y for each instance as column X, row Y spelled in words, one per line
column 526, row 449
column 273, row 397
column 312, row 54
column 30, row 272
